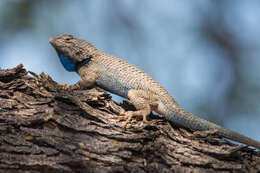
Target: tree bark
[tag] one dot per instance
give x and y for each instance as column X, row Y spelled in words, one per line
column 43, row 129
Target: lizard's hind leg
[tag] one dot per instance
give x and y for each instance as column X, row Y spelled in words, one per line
column 144, row 102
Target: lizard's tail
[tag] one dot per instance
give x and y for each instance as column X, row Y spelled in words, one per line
column 193, row 122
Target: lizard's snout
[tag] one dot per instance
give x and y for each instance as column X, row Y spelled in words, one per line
column 52, row 40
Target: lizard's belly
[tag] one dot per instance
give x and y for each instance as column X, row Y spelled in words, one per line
column 114, row 86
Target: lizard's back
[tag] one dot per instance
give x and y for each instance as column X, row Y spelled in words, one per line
column 118, row 76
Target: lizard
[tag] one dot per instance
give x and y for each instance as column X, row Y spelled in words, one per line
column 124, row 79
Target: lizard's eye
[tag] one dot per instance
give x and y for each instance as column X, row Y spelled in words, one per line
column 67, row 39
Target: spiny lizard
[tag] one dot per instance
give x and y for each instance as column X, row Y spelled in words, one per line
column 122, row 78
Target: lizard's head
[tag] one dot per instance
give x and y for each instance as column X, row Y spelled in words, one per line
column 72, row 51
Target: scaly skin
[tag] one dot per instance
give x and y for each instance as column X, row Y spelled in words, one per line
column 122, row 78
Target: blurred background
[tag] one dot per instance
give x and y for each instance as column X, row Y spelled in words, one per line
column 205, row 53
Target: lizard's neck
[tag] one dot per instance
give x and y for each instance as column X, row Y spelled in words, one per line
column 84, row 62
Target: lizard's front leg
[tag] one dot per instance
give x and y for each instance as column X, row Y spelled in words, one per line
column 144, row 101
column 88, row 79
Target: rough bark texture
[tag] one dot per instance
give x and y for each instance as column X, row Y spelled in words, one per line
column 43, row 129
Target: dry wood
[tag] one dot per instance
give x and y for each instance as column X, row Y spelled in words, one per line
column 43, row 129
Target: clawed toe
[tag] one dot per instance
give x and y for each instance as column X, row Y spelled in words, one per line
column 121, row 116
column 128, row 116
column 66, row 87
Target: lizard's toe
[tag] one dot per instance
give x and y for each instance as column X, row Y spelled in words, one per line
column 128, row 116
column 121, row 116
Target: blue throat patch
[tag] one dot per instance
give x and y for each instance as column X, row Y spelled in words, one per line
column 66, row 62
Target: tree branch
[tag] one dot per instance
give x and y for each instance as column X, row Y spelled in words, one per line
column 43, row 129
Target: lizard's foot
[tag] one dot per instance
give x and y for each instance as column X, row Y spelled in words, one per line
column 121, row 116
column 206, row 133
column 66, row 87
column 81, row 84
column 128, row 116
